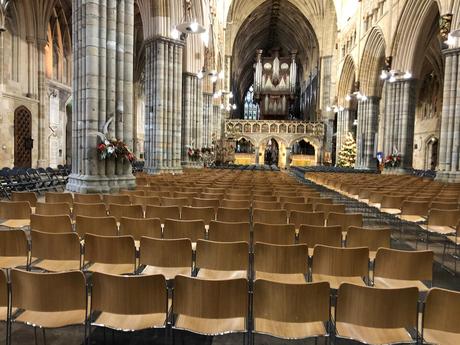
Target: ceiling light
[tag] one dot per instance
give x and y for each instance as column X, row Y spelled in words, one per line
column 407, row 75
column 348, row 98
column 392, row 79
column 234, row 106
column 200, row 75
column 175, row 34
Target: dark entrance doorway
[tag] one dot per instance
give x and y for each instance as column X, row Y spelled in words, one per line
column 23, row 142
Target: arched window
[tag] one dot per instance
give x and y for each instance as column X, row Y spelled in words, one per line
column 251, row 109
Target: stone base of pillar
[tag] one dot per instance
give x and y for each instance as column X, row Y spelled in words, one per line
column 396, row 171
column 450, row 177
column 156, row 171
column 87, row 184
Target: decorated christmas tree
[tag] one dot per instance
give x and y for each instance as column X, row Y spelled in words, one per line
column 347, row 154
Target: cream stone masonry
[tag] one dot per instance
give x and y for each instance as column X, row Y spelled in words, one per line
column 368, row 111
column 102, row 92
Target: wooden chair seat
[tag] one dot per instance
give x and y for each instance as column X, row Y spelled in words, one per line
column 292, row 278
column 393, row 211
column 454, row 239
column 111, row 268
column 374, row 336
column 127, row 323
column 13, row 261
column 16, row 223
column 387, row 283
column 52, row 319
column 432, row 336
column 169, row 272
column 207, row 326
column 412, row 218
column 206, row 273
column 439, row 229
column 290, row 330
column 57, row 265
column 374, row 204
column 335, row 281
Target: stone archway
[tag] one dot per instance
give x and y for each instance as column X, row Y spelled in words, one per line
column 431, row 153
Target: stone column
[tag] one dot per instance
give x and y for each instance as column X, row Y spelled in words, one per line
column 344, row 126
column 449, row 165
column 217, row 121
column 208, row 121
column 192, row 116
column 43, row 116
column 163, row 105
column 399, row 117
column 368, row 112
column 102, row 92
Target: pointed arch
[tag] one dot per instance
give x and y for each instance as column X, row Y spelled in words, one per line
column 347, row 81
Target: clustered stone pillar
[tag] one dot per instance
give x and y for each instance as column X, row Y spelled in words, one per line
column 217, row 124
column 43, row 116
column 208, row 123
column 368, row 112
column 449, row 164
column 163, row 105
column 399, row 117
column 192, row 116
column 102, row 92
column 344, row 124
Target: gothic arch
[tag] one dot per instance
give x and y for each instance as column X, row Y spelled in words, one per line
column 372, row 62
column 346, row 82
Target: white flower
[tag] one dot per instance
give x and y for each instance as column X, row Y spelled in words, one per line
column 110, row 149
column 106, row 142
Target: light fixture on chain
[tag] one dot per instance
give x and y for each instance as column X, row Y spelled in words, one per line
column 188, row 25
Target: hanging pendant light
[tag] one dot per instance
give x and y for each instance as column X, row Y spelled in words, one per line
column 188, row 25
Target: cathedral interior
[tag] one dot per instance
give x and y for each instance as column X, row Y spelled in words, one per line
column 326, row 113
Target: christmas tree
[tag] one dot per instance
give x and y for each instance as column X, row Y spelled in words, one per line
column 347, row 154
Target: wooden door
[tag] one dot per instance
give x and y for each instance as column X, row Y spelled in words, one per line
column 23, row 142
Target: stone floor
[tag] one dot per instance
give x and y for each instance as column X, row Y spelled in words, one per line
column 24, row 335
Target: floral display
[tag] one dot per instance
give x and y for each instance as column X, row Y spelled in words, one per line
column 194, row 154
column 393, row 160
column 115, row 149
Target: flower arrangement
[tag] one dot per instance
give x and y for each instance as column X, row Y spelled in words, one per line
column 194, row 154
column 393, row 160
column 115, row 149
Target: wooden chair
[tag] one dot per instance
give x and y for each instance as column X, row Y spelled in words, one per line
column 102, row 226
column 222, row 260
column 345, row 220
column 376, row 316
column 162, row 212
column 298, row 218
column 264, row 198
column 87, row 198
column 128, row 211
column 444, row 205
column 397, row 269
column 54, row 224
column 53, row 209
column 299, row 311
column 14, row 249
column 119, row 199
column 55, row 252
column 4, row 303
column 281, row 263
column 266, row 205
column 318, row 200
column 206, row 214
column 223, row 310
column 235, row 203
column 274, row 233
column 229, row 232
column 218, row 196
column 414, row 211
column 311, row 235
column 178, row 202
column 31, row 197
column 392, row 204
column 440, row 317
column 238, row 197
column 56, row 198
column 191, row 229
column 233, row 214
column 49, row 300
column 340, row 265
column 89, row 210
column 441, row 222
column 302, row 207
column 139, row 227
column 292, row 199
column 269, row 216
column 109, row 254
column 330, row 208
column 156, row 257
column 147, row 306
column 199, row 202
column 144, row 201
column 16, row 214
column 370, row 238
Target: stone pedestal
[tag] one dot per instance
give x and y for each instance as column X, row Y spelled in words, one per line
column 102, row 90
column 399, row 117
column 368, row 112
column 449, row 164
column 163, row 105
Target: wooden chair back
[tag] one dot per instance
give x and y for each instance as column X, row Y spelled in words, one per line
column 415, row 208
column 274, row 233
column 311, row 235
column 138, row 227
column 269, row 216
column 225, row 214
column 406, row 265
column 443, row 217
column 103, row 226
column 52, row 224
column 284, row 259
column 224, row 256
column 344, row 262
column 119, row 199
column 110, row 249
column 166, row 253
column 129, row 295
column 3, row 290
column 229, row 232
column 200, row 202
column 31, row 197
column 52, row 209
column 299, row 218
column 55, row 246
column 55, row 198
column 178, row 202
column 129, row 211
column 14, row 243
column 15, row 210
column 266, row 205
column 144, row 201
column 87, row 198
column 206, row 214
column 292, row 199
column 191, row 229
column 345, row 220
column 264, row 198
column 442, row 310
column 235, row 203
column 89, row 210
column 328, row 208
column 371, row 238
column 377, row 308
column 302, row 207
column 162, row 212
